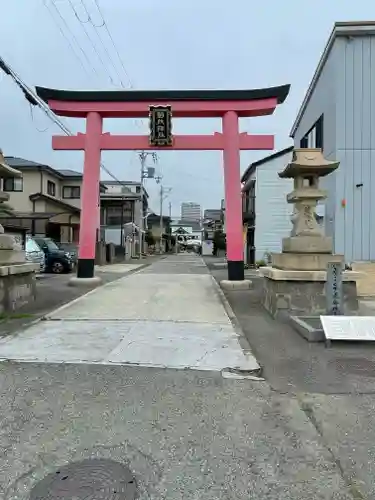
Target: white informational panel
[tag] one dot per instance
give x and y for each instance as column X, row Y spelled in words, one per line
column 348, row 327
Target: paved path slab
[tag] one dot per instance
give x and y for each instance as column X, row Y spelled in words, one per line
column 154, row 297
column 148, row 319
column 118, row 268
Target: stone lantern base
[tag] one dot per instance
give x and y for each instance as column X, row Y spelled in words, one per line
column 17, row 286
column 302, row 292
column 304, row 261
column 307, row 244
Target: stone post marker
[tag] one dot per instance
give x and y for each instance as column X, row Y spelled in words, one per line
column 295, row 283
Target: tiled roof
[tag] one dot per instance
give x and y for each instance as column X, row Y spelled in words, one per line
column 14, row 161
column 69, row 173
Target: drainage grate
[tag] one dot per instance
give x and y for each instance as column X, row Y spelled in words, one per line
column 93, row 479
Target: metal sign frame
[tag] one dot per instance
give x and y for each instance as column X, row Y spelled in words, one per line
column 160, row 126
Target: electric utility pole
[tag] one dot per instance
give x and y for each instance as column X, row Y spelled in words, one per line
column 163, row 193
column 145, row 173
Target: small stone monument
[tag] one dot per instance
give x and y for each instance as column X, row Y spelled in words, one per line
column 295, row 283
column 17, row 277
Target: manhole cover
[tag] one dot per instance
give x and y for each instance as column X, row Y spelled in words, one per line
column 92, row 479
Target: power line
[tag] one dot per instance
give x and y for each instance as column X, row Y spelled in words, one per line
column 71, row 33
column 92, row 44
column 105, row 26
column 66, row 38
column 35, row 100
column 89, row 20
column 113, row 43
column 42, row 104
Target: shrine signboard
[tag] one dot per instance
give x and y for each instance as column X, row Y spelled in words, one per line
column 161, row 126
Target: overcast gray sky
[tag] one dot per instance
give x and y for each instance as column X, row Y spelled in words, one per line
column 163, row 44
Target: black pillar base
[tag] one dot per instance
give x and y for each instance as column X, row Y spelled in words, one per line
column 236, row 270
column 85, row 268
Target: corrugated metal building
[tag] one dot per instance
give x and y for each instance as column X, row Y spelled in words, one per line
column 266, row 213
column 338, row 115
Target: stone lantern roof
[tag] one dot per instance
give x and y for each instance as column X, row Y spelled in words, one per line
column 308, row 162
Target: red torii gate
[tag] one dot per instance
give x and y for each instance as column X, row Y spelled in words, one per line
column 228, row 105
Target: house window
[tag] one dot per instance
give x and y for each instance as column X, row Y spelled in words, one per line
column 314, row 137
column 51, row 188
column 13, row 184
column 72, row 192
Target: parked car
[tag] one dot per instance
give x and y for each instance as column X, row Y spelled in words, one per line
column 35, row 254
column 70, row 249
column 57, row 261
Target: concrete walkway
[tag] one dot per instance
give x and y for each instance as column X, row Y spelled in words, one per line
column 169, row 315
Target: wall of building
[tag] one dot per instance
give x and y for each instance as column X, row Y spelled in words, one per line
column 355, row 178
column 323, row 101
column 76, row 202
column 272, row 219
column 20, row 200
column 49, row 177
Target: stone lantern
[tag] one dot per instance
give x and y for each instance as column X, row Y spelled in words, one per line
column 295, row 281
column 307, row 248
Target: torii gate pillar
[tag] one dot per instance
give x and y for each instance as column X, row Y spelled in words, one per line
column 233, row 198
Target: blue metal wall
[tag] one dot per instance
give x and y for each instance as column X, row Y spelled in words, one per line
column 323, row 102
column 355, row 148
column 345, row 95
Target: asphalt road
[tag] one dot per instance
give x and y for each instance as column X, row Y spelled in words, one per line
column 333, row 386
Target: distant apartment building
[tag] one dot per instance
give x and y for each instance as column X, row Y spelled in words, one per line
column 191, row 211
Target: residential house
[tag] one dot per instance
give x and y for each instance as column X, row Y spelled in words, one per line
column 266, row 213
column 121, row 210
column 45, row 200
column 338, row 116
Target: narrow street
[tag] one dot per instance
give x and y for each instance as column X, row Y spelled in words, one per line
column 107, row 377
